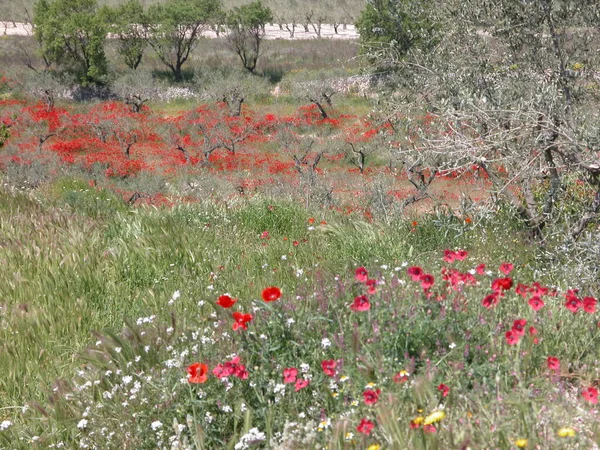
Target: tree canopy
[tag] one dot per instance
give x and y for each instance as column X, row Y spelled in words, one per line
column 398, row 24
column 246, row 26
column 175, row 27
column 71, row 33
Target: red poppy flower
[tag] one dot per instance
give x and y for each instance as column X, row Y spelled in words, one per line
column 371, row 396
column 300, row 384
column 197, row 373
column 231, row 368
column 449, row 256
column 573, row 303
column 461, row 255
column 445, row 390
column 590, row 395
column 371, row 283
column 365, row 426
column 295, row 243
column 553, row 363
column 536, row 303
column 502, row 284
column 415, row 272
column 426, row 280
column 225, row 301
column 519, row 327
column 589, row 305
column 271, row 293
column 361, row 303
column 241, row 320
column 289, row 375
column 538, row 289
column 361, row 275
column 512, row 338
column 522, row 290
column 329, row 366
column 506, row 268
column 480, row 269
column 311, row 220
column 490, row 300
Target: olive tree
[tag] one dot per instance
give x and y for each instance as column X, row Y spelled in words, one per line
column 135, row 88
column 246, row 31
column 232, row 87
column 396, row 24
column 510, row 88
column 174, row 29
column 71, row 34
column 125, row 25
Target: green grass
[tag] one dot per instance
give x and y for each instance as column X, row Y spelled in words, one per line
column 79, row 266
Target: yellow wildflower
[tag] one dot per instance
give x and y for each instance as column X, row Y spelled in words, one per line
column 416, row 422
column 434, row 417
column 566, row 432
column 521, row 443
column 374, row 447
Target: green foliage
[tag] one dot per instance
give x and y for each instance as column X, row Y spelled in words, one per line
column 396, row 25
column 71, row 33
column 247, row 30
column 126, row 20
column 4, row 133
column 174, row 29
column 515, row 103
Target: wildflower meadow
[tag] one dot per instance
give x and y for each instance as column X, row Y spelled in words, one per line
column 345, row 248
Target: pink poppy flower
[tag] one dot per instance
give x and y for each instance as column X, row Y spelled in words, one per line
column 519, row 327
column 449, row 256
column 553, row 363
column 461, row 255
column 512, row 338
column 536, row 303
column 506, row 268
column 300, row 384
column 361, row 275
column 414, row 272
column 289, row 375
column 589, row 305
column 426, row 280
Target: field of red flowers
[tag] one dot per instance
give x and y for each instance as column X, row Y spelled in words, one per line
column 254, row 152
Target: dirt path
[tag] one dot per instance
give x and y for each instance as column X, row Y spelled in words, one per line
column 273, row 32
